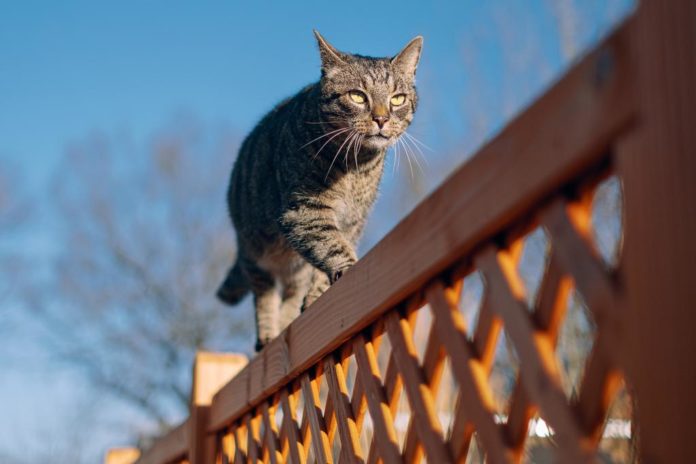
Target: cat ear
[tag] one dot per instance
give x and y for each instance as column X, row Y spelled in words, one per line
column 407, row 59
column 330, row 57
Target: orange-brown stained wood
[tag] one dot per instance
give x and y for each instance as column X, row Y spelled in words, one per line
column 475, row 394
column 296, row 453
column 320, row 439
column 433, row 363
column 382, row 420
column 271, row 436
column 599, row 386
column 577, row 257
column 418, row 393
column 540, row 374
column 657, row 165
column 345, row 422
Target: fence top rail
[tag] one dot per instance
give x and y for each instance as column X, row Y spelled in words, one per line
column 561, row 136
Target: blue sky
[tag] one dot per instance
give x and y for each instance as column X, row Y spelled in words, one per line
column 70, row 68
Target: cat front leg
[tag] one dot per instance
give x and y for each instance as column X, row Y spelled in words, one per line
column 310, row 227
column 267, row 301
column 320, row 283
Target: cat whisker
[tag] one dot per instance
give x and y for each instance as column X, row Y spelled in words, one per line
column 326, row 121
column 357, row 148
column 337, row 153
column 415, row 154
column 327, row 142
column 418, row 151
column 397, row 154
column 413, row 137
column 341, row 129
column 408, row 157
column 354, row 137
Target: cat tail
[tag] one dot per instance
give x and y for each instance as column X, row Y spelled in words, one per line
column 235, row 287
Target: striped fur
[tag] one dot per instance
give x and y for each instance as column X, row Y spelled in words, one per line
column 306, row 178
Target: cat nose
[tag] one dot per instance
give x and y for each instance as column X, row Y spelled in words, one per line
column 380, row 120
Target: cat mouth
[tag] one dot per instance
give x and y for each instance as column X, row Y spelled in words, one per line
column 379, row 136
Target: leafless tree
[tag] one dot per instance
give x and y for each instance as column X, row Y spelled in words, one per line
column 145, row 240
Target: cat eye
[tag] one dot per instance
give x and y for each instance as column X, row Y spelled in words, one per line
column 398, row 100
column 357, row 97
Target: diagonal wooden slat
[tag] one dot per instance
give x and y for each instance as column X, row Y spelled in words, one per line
column 549, row 312
column 271, row 436
column 305, row 435
column 338, row 391
column 520, row 413
column 240, row 447
column 433, row 363
column 392, row 381
column 540, row 374
column 380, row 413
column 252, row 426
column 320, row 439
column 488, row 328
column 392, row 386
column 462, row 432
column 228, row 450
column 578, row 258
column 417, row 390
column 475, row 393
column 600, row 383
column 296, row 451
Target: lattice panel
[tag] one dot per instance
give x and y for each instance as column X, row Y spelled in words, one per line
column 506, row 358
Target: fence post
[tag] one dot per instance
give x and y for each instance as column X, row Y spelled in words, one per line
column 657, row 163
column 121, row 456
column 211, row 371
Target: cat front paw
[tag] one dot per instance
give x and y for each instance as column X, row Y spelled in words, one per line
column 337, row 274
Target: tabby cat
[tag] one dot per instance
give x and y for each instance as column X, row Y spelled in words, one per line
column 306, row 178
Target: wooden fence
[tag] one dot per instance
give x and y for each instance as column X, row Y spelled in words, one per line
column 351, row 380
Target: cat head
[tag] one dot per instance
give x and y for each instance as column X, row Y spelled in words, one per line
column 375, row 97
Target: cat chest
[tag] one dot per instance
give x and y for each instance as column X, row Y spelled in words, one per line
column 354, row 202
